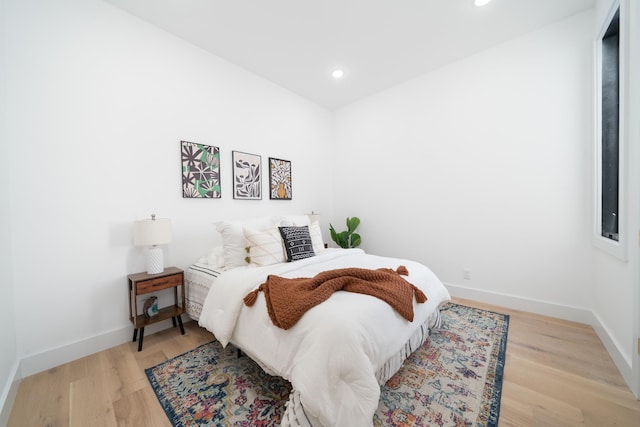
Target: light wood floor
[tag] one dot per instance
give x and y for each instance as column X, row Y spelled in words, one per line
column 557, row 373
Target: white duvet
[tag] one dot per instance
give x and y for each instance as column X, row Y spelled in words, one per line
column 332, row 354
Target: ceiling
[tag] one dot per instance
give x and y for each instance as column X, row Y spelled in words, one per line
column 378, row 43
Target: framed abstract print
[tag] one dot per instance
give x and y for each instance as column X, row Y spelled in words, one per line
column 279, row 179
column 200, row 170
column 247, row 176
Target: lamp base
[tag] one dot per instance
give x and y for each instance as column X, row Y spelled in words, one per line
column 155, row 261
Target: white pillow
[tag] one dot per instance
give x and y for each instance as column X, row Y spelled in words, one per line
column 292, row 220
column 214, row 259
column 265, row 247
column 316, row 237
column 233, row 240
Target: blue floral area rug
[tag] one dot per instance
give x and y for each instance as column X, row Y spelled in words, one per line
column 453, row 379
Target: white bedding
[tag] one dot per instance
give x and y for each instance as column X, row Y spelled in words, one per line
column 332, row 354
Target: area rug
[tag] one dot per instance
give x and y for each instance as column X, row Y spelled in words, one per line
column 453, row 379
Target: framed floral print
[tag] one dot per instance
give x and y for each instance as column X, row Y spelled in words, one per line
column 279, row 179
column 247, row 176
column 200, row 170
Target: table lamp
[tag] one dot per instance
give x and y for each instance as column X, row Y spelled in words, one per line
column 153, row 232
column 313, row 216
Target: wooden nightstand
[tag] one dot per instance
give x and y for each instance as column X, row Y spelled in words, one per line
column 143, row 283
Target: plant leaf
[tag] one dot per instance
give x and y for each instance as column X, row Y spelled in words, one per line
column 352, row 223
column 334, row 236
column 343, row 238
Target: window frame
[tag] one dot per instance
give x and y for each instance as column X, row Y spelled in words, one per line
column 617, row 248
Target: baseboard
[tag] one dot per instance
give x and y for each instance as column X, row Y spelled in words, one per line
column 623, row 363
column 9, row 393
column 51, row 358
column 565, row 312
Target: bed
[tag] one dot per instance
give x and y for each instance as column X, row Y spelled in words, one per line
column 341, row 351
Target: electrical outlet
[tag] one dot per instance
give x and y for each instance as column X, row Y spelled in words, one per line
column 466, row 273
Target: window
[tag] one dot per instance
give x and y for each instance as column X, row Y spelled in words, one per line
column 610, row 125
column 610, row 185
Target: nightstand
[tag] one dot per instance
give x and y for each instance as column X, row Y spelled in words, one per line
column 143, row 283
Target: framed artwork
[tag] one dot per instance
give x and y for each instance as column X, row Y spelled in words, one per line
column 279, row 179
column 200, row 170
column 247, row 176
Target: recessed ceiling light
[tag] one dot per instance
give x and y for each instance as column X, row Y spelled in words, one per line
column 481, row 2
column 337, row 74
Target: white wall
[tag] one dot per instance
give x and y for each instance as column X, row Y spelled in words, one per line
column 99, row 102
column 617, row 290
column 633, row 132
column 482, row 165
column 9, row 352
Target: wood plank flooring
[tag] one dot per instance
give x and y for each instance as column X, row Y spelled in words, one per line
column 557, row 373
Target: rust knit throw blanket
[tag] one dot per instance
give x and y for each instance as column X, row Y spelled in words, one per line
column 289, row 299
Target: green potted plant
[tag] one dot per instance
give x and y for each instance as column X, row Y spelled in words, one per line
column 348, row 238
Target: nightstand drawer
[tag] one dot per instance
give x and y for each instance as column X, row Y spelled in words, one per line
column 153, row 285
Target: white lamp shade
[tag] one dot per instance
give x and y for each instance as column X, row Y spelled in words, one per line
column 150, row 232
column 313, row 216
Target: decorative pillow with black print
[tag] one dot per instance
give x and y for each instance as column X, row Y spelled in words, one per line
column 297, row 242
